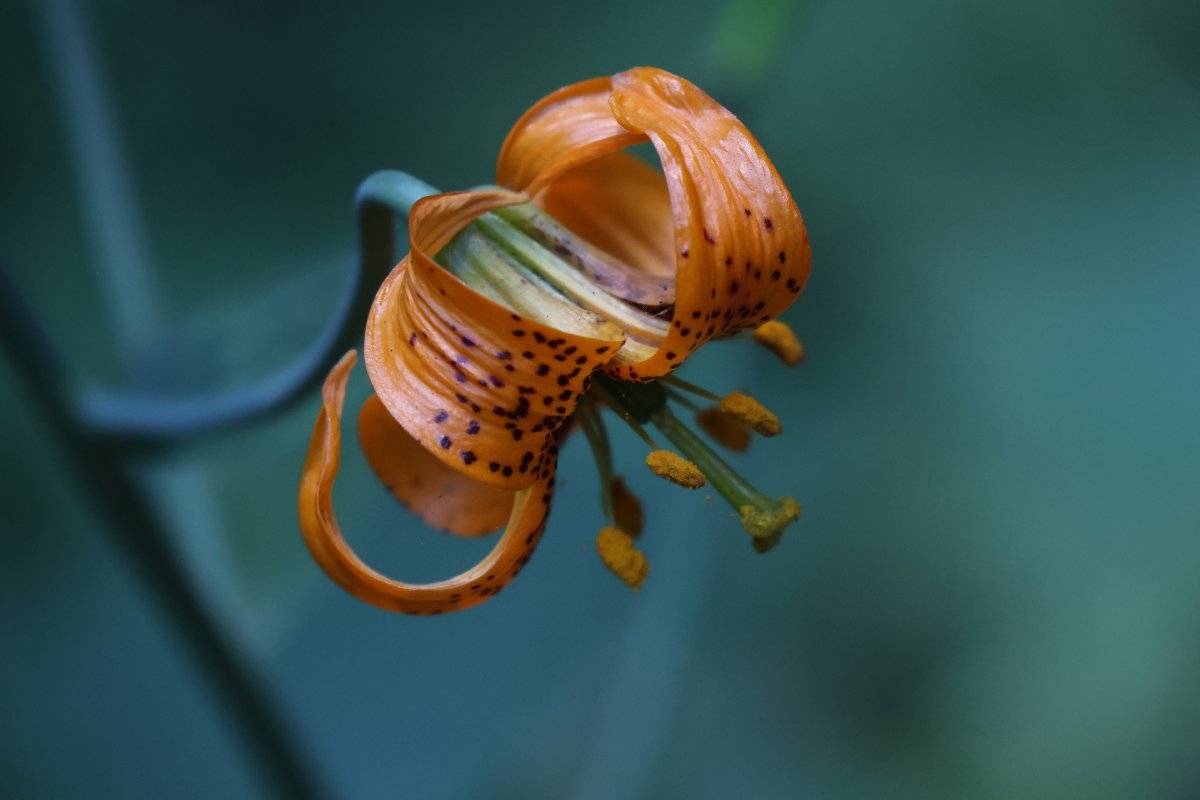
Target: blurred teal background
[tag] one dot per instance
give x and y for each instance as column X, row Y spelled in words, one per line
column 993, row 591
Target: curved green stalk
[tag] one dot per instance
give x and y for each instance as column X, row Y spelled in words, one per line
column 97, row 428
column 111, row 487
column 164, row 418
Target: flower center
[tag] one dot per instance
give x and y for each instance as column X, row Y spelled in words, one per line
column 639, row 404
column 523, row 259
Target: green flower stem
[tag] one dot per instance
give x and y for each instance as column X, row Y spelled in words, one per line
column 111, row 487
column 98, row 428
column 393, row 190
column 152, row 418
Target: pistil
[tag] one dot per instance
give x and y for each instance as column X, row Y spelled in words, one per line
column 763, row 517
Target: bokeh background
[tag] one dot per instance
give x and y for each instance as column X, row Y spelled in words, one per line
column 993, row 591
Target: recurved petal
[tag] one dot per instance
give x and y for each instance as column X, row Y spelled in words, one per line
column 480, row 387
column 620, row 204
column 526, row 521
column 741, row 249
column 564, row 129
column 443, row 497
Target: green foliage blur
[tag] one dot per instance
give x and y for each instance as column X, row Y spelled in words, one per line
column 993, row 590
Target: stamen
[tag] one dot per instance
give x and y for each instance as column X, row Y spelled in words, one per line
column 777, row 337
column 619, row 554
column 633, row 417
column 746, row 409
column 626, row 509
column 597, row 436
column 675, row 468
column 680, row 383
column 726, row 429
column 763, row 517
column 677, row 396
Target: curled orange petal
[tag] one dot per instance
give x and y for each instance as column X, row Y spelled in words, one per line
column 740, row 249
column 620, row 204
column 480, row 387
column 526, row 522
column 443, row 497
column 742, row 252
column 566, row 128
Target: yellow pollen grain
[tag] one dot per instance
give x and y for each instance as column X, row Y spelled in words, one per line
column 675, row 468
column 724, row 428
column 746, row 409
column 627, row 510
column 616, row 550
column 777, row 337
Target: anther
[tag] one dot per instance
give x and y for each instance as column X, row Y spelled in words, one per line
column 675, row 468
column 618, row 553
column 627, row 509
column 746, row 409
column 777, row 337
column 724, row 428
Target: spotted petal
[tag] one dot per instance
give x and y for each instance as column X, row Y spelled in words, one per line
column 426, row 486
column 323, row 536
column 740, row 247
column 479, row 386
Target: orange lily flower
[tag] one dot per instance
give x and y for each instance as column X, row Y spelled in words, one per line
column 584, row 282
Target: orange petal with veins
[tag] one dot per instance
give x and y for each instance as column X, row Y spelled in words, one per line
column 742, row 252
column 566, row 128
column 526, row 522
column 740, row 248
column 441, row 496
column 620, row 204
column 480, row 387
